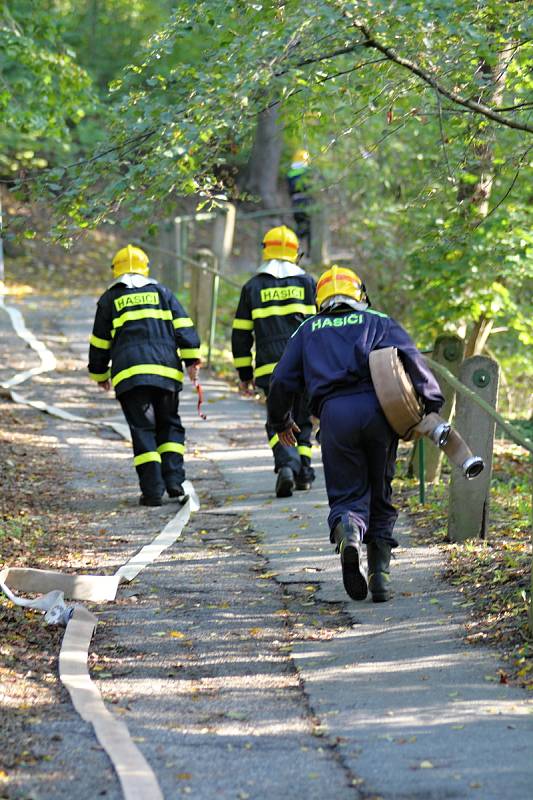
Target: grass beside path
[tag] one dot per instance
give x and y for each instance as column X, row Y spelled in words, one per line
column 493, row 575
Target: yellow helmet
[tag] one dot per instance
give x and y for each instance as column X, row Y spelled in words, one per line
column 300, row 155
column 339, row 281
column 280, row 243
column 130, row 259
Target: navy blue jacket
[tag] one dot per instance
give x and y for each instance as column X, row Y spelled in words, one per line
column 145, row 333
column 328, row 355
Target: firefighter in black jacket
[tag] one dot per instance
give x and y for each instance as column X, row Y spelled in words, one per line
column 329, row 355
column 144, row 331
column 272, row 305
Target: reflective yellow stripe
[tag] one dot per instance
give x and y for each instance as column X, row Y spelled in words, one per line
column 145, row 457
column 279, row 311
column 103, row 344
column 266, row 369
column 148, row 369
column 273, row 442
column 183, row 322
column 171, row 447
column 143, row 313
column 192, row 352
column 243, row 324
column 245, row 361
column 100, row 377
column 305, row 451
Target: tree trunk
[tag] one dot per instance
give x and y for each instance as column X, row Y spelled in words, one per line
column 262, row 170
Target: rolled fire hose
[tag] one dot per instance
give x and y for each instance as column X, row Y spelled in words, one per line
column 405, row 414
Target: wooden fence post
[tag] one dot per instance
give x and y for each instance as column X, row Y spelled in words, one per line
column 469, row 500
column 448, row 350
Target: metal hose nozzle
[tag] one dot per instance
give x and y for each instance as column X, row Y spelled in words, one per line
column 472, row 467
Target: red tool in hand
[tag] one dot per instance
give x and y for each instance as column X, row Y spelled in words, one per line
column 200, row 392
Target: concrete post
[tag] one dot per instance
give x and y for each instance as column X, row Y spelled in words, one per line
column 165, row 271
column 1, row 248
column 448, row 350
column 201, row 295
column 468, row 511
column 319, row 254
column 223, row 231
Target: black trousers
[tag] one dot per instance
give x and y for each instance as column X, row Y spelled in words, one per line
column 297, row 458
column 157, row 435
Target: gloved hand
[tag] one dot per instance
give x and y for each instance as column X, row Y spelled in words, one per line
column 247, row 388
column 193, row 371
column 287, row 437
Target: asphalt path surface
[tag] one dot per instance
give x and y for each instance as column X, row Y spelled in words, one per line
column 238, row 663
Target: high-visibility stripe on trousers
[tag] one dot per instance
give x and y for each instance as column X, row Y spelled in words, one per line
column 297, row 458
column 158, row 437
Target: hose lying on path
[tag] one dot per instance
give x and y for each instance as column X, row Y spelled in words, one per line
column 136, row 777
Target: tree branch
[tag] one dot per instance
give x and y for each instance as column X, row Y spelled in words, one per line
column 472, row 105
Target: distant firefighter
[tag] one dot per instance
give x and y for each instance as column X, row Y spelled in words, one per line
column 273, row 303
column 142, row 337
column 299, row 185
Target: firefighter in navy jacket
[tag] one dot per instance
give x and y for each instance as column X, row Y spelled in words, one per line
column 141, row 328
column 329, row 355
column 272, row 305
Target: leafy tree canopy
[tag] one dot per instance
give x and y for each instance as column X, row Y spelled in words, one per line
column 417, row 115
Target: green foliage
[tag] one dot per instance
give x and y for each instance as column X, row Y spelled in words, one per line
column 428, row 192
column 43, row 90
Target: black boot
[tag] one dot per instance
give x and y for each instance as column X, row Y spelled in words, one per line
column 178, row 492
column 348, row 543
column 285, row 482
column 378, row 555
column 150, row 500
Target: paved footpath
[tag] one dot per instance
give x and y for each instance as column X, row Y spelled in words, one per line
column 237, row 661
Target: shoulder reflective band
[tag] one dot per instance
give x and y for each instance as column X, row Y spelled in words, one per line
column 266, row 369
column 376, row 313
column 182, row 322
column 103, row 344
column 191, row 352
column 171, row 447
column 278, row 311
column 100, row 378
column 273, row 441
column 144, row 458
column 245, row 361
column 243, row 324
column 143, row 313
column 147, row 369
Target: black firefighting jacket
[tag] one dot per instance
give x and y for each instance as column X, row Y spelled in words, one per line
column 145, row 333
column 329, row 355
column 270, row 310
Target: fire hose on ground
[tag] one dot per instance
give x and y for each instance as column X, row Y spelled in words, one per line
column 136, row 777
